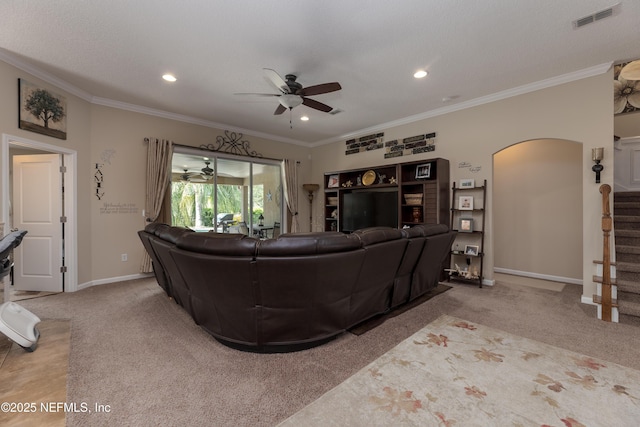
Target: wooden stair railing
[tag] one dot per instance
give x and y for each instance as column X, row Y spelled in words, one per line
column 605, row 190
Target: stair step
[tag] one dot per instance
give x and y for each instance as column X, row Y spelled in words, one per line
column 628, row 233
column 597, row 299
column 625, row 195
column 627, row 249
column 627, row 267
column 628, row 286
column 627, row 205
column 629, row 308
column 627, row 218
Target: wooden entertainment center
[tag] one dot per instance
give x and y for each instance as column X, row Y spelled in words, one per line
column 401, row 194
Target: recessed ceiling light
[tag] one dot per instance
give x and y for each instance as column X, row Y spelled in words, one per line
column 450, row 98
column 304, row 118
column 169, row 78
column 420, row 74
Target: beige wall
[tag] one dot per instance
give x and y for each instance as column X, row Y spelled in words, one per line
column 579, row 111
column 627, row 125
column 537, row 186
column 114, row 138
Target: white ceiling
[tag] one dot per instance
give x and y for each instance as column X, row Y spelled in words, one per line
column 114, row 53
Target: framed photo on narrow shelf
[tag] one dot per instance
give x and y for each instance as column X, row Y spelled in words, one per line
column 465, row 203
column 465, row 225
column 471, row 250
column 467, row 183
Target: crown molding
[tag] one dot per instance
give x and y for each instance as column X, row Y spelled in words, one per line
column 43, row 75
column 509, row 93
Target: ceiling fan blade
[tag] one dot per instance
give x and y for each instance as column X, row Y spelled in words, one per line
column 281, row 109
column 320, row 89
column 258, row 94
column 316, row 105
column 276, row 80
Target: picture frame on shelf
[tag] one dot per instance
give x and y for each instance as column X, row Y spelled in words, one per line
column 471, row 250
column 465, row 225
column 423, row 171
column 465, row 203
column 467, row 183
column 333, row 182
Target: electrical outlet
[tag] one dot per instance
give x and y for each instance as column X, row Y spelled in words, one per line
column 124, row 257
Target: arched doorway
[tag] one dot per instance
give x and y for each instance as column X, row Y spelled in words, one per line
column 537, row 210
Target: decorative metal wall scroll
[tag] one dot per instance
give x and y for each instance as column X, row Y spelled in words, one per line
column 232, row 143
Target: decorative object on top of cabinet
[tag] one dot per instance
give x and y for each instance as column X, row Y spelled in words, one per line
column 469, row 216
column 333, row 181
column 467, row 183
column 369, row 177
column 423, row 171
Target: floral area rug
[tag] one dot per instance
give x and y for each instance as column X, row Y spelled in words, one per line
column 457, row 373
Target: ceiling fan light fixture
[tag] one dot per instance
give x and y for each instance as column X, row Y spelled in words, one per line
column 290, row 101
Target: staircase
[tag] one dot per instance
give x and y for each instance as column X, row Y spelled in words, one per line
column 626, row 219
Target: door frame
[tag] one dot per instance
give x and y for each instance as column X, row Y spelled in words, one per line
column 70, row 157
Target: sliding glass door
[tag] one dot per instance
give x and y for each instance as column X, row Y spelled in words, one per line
column 226, row 194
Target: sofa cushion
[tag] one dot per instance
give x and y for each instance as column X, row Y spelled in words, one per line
column 373, row 235
column 308, row 244
column 172, row 234
column 229, row 244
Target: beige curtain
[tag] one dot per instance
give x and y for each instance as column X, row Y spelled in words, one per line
column 290, row 179
column 158, row 177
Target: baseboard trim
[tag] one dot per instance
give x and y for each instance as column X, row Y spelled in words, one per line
column 539, row 276
column 587, row 300
column 114, row 280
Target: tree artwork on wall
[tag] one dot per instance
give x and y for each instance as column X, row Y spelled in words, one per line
column 42, row 111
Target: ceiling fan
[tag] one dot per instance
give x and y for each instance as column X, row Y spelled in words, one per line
column 205, row 174
column 291, row 93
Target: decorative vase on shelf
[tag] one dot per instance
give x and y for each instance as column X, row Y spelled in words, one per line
column 416, row 214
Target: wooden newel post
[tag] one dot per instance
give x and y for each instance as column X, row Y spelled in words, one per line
column 605, row 190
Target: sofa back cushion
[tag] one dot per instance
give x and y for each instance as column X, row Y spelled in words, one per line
column 295, row 244
column 226, row 244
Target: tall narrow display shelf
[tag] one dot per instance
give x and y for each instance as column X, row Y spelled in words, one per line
column 468, row 219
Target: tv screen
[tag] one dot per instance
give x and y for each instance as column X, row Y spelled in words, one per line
column 362, row 209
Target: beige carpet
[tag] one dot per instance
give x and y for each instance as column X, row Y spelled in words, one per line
column 140, row 353
column 454, row 372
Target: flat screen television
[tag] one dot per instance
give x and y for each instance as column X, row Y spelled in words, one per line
column 369, row 208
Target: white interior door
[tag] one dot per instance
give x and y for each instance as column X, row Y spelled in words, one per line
column 37, row 208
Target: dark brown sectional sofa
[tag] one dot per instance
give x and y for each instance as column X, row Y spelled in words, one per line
column 298, row 290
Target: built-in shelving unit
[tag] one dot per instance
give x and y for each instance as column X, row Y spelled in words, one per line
column 421, row 190
column 468, row 219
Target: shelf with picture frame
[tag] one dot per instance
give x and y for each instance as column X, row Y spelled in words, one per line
column 468, row 219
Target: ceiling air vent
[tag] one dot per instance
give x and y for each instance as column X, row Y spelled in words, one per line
column 597, row 16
